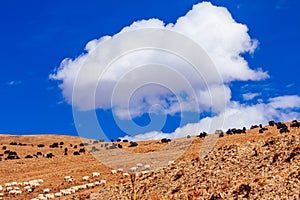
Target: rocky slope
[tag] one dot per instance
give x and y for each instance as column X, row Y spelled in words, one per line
column 241, row 166
column 267, row 166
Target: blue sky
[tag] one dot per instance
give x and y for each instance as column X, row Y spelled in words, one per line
column 37, row 36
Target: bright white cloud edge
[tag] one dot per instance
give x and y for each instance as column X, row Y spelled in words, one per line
column 236, row 116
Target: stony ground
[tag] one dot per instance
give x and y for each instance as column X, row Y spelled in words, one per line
column 251, row 166
column 245, row 166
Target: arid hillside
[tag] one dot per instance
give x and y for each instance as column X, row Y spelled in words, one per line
column 249, row 165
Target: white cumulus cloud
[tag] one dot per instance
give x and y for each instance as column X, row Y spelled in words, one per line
column 88, row 83
column 147, row 68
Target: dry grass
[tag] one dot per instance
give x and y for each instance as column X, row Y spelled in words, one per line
column 52, row 171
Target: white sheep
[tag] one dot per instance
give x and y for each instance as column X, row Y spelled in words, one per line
column 16, row 188
column 33, row 182
column 34, row 185
column 67, row 178
column 139, row 165
column 96, row 174
column 27, row 187
column 125, row 174
column 50, row 196
column 97, row 183
column 57, row 194
column 14, row 183
column 12, row 192
column 9, row 188
column 145, row 172
column 90, row 185
column 1, row 188
column 70, row 190
column 40, row 181
column 83, row 186
column 7, row 184
column 85, row 178
column 18, row 192
column 70, row 180
column 46, row 190
column 34, row 199
column 25, row 183
column 67, row 192
column 170, row 162
column 102, row 182
column 120, row 170
column 1, row 194
column 137, row 174
column 133, row 169
column 76, row 188
column 147, row 167
column 20, row 183
column 113, row 171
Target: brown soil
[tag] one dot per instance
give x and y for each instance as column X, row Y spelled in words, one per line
column 249, row 166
